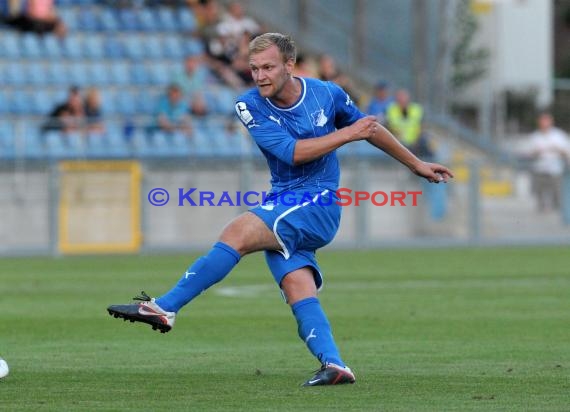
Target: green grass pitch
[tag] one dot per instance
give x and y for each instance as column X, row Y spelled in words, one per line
column 424, row 330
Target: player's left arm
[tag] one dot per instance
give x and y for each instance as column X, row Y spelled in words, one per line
column 347, row 114
column 384, row 140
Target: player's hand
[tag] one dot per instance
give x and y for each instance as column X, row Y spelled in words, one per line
column 433, row 172
column 363, row 128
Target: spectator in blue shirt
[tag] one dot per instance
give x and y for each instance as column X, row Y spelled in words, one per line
column 172, row 114
column 380, row 102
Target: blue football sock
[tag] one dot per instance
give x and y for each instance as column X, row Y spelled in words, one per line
column 315, row 330
column 203, row 273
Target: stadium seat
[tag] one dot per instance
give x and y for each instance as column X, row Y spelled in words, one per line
column 146, row 103
column 187, row 21
column 98, row 74
column 10, row 45
column 193, row 47
column 147, row 21
column 154, row 48
column 56, row 73
column 173, row 47
column 128, row 19
column 55, row 146
column 160, row 73
column 6, row 141
column 87, row 19
column 94, row 47
column 119, row 73
column 113, row 48
column 135, row 47
column 41, row 102
column 14, row 75
column 31, row 46
column 79, row 74
column 125, row 103
column 116, row 145
column 69, row 17
column 166, row 19
column 32, row 144
column 52, row 47
column 73, row 47
column 139, row 74
column 108, row 20
column 36, row 74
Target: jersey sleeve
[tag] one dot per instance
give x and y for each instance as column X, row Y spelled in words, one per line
column 346, row 112
column 267, row 134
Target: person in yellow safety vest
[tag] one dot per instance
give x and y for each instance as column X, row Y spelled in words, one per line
column 404, row 119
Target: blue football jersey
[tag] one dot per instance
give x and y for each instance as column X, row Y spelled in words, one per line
column 322, row 108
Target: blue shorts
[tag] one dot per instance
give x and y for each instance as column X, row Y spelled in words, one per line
column 302, row 223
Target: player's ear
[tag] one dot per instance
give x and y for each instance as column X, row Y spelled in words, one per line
column 290, row 66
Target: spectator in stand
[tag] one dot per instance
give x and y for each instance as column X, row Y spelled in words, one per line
column 380, row 102
column 328, row 71
column 404, row 119
column 549, row 148
column 40, row 17
column 305, row 67
column 195, row 76
column 235, row 24
column 172, row 113
column 93, row 111
column 198, row 105
column 218, row 55
column 67, row 116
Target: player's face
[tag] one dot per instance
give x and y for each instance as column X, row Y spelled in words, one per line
column 270, row 73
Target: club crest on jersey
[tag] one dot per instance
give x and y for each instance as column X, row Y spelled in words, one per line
column 245, row 115
column 319, row 118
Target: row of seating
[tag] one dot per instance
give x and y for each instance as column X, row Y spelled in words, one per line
column 101, row 74
column 207, row 139
column 98, row 46
column 114, row 101
column 107, row 19
column 210, row 138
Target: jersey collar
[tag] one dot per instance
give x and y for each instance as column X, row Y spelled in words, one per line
column 297, row 103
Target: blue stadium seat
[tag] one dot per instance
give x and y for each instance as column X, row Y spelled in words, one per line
column 193, row 47
column 55, row 146
column 135, row 47
column 4, row 105
column 36, row 74
column 7, row 149
column 139, row 74
column 187, row 21
column 14, row 75
column 128, row 19
column 153, row 48
column 94, row 47
column 146, row 103
column 33, row 143
column 160, row 73
column 31, row 45
column 113, row 48
column 56, row 73
column 166, row 19
column 53, row 48
column 69, row 17
column 73, row 47
column 42, row 102
column 173, row 47
column 75, row 145
column 125, row 102
column 108, row 20
column 87, row 19
column 116, row 143
column 108, row 101
column 119, row 73
column 141, row 145
column 10, row 45
column 147, row 21
column 20, row 103
column 79, row 74
column 98, row 74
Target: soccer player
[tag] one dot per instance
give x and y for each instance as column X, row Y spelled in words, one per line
column 298, row 123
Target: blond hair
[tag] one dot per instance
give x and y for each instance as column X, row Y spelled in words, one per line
column 284, row 43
